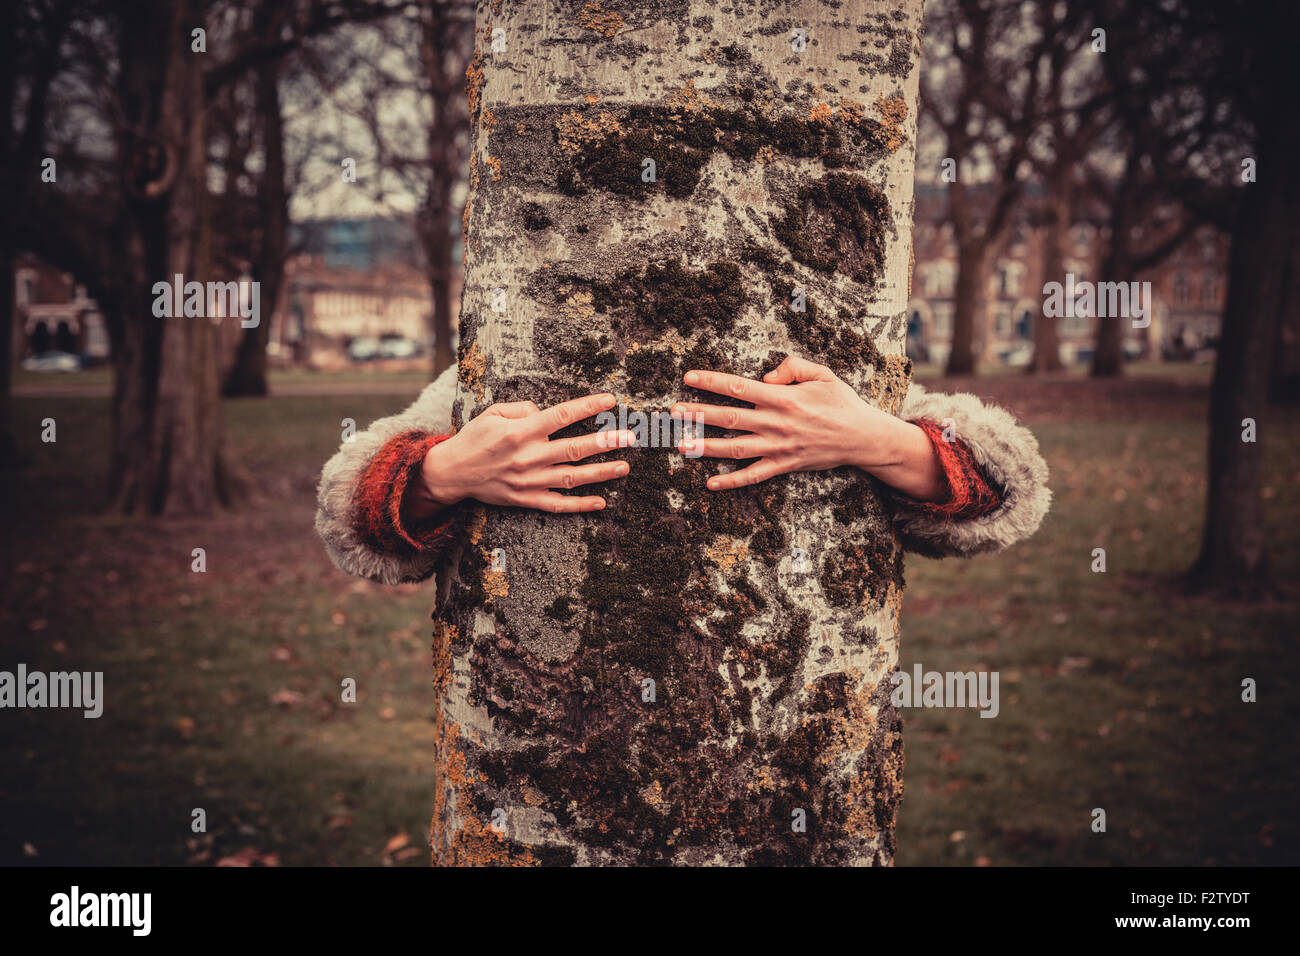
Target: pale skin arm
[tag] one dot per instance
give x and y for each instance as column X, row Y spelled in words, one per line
column 804, row 419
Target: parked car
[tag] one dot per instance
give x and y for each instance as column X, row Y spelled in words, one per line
column 363, row 349
column 52, row 362
column 398, row 348
column 1016, row 355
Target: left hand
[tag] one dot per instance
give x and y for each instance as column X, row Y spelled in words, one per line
column 806, row 419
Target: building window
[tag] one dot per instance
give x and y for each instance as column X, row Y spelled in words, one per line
column 1082, row 235
column 939, row 278
column 1002, row 322
column 1074, row 324
column 1182, row 289
column 1009, row 274
column 942, row 318
column 1025, row 325
column 1209, row 289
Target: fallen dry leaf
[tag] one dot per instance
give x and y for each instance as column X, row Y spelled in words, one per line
column 395, row 844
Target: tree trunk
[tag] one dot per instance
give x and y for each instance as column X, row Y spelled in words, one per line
column 169, row 451
column 247, row 376
column 968, row 306
column 443, row 54
column 1116, row 266
column 9, row 194
column 1047, row 342
column 1232, row 549
column 687, row 676
column 438, row 253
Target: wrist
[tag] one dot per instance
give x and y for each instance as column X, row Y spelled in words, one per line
column 437, row 487
column 880, row 442
column 904, row 458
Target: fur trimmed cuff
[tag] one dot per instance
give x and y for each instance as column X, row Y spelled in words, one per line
column 968, row 492
column 380, row 491
column 1006, row 453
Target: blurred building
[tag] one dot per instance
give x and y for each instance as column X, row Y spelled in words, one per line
column 327, row 307
column 352, row 279
column 53, row 313
column 1187, row 289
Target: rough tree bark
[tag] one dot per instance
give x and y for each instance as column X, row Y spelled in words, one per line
column 169, row 453
column 685, row 677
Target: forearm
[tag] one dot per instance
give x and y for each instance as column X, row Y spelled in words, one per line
column 903, row 458
column 358, row 550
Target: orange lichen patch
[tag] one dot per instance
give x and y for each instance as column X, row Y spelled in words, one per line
column 578, row 134
column 495, row 163
column 489, row 121
column 888, row 385
column 894, row 601
column 472, row 368
column 477, row 844
column 762, row 781
column 690, row 99
column 883, row 783
column 475, row 525
column 653, row 794
column 765, row 154
column 474, row 78
column 821, row 113
column 494, row 581
column 851, row 111
column 725, row 552
column 592, row 99
column 579, row 304
column 443, row 733
column 596, row 18
column 894, row 110
column 473, row 843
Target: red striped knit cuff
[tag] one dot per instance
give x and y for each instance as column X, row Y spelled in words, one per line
column 377, row 500
column 969, row 492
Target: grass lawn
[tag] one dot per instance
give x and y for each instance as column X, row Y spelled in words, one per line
column 222, row 688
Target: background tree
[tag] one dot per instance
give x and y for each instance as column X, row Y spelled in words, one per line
column 665, row 680
column 151, row 87
column 404, row 87
column 1072, row 114
column 32, row 37
column 1253, row 69
column 981, row 94
column 247, row 374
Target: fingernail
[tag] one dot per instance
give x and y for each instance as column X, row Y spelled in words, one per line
column 692, row 378
column 621, row 468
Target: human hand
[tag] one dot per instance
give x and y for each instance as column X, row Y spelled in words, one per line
column 505, row 457
column 806, row 419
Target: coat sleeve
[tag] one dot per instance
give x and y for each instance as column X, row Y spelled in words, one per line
column 337, row 505
column 1007, row 454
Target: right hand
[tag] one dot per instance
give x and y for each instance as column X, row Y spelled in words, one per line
column 505, row 457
